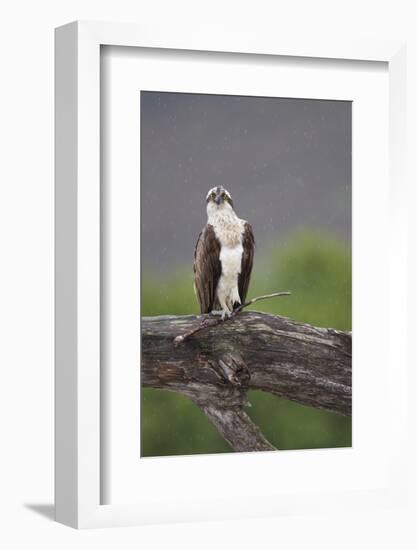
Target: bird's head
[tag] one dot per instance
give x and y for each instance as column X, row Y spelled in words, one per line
column 219, row 199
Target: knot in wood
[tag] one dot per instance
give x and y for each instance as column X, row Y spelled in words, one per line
column 232, row 367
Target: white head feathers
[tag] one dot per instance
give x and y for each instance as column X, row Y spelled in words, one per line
column 218, row 191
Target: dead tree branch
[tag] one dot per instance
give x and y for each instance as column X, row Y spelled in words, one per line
column 216, row 367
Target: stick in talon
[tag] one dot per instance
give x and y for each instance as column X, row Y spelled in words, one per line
column 210, row 322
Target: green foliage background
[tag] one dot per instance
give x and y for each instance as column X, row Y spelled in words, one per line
column 316, row 268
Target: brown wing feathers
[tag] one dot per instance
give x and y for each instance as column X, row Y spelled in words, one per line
column 248, row 243
column 207, row 268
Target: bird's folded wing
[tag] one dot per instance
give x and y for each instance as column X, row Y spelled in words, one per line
column 248, row 243
column 207, row 268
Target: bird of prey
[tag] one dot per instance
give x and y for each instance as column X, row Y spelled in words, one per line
column 223, row 256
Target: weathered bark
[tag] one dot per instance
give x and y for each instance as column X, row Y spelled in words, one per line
column 216, row 367
column 237, row 429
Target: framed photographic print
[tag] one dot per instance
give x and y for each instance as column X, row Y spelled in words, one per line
column 223, row 338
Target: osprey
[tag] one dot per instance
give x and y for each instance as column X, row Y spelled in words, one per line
column 223, row 256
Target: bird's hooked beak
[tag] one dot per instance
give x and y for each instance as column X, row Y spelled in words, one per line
column 219, row 199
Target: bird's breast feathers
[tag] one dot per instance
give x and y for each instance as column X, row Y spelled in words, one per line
column 229, row 232
column 231, row 260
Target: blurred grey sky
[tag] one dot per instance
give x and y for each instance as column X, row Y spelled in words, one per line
column 286, row 162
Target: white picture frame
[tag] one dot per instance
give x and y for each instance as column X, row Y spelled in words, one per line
column 78, row 410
